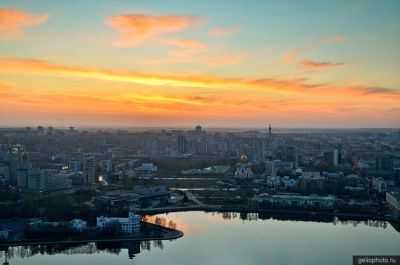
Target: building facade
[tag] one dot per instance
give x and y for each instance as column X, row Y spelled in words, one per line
column 393, row 201
column 89, row 169
column 129, row 225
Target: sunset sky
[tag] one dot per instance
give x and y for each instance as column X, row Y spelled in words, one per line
column 216, row 63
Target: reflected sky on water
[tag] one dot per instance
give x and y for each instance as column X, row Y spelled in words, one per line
column 228, row 239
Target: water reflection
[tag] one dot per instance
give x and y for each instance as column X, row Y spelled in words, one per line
column 215, row 217
column 308, row 218
column 133, row 247
column 225, row 229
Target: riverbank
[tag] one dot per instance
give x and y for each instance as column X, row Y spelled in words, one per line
column 168, row 234
column 218, row 208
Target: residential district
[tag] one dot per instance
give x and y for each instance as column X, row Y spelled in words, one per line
column 80, row 178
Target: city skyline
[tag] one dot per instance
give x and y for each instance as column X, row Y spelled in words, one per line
column 148, row 64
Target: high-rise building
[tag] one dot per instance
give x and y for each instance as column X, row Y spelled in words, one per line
column 270, row 131
column 36, row 181
column 336, row 157
column 287, row 153
column 16, row 158
column 75, row 165
column 106, row 166
column 22, row 178
column 182, row 143
column 40, row 131
column 89, row 169
column 328, row 157
column 50, row 131
column 4, row 171
column 198, row 128
column 384, row 162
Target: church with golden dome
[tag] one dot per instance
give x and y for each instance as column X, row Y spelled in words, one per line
column 243, row 169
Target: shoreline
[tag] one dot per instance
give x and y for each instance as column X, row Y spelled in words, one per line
column 217, row 208
column 173, row 234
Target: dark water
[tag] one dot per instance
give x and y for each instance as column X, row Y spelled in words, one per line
column 228, row 239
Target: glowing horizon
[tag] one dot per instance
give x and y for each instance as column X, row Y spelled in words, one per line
column 151, row 65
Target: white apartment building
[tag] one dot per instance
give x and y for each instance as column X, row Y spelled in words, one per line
column 129, row 225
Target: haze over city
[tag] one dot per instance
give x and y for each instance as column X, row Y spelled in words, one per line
column 182, row 63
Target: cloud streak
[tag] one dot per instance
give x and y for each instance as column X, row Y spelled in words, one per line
column 135, row 29
column 12, row 22
column 318, row 65
column 21, row 66
column 186, row 47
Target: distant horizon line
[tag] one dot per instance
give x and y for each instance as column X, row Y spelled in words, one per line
column 203, row 127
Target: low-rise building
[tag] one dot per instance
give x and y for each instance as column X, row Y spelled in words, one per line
column 273, row 182
column 146, row 169
column 153, row 192
column 218, row 170
column 288, row 182
column 148, row 191
column 4, row 234
column 297, row 200
column 352, row 188
column 311, row 182
column 119, row 198
column 129, row 225
column 78, row 224
column 332, row 176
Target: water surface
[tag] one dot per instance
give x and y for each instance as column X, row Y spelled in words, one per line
column 228, row 239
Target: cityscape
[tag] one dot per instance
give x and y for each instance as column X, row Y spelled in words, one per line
column 66, row 181
column 147, row 132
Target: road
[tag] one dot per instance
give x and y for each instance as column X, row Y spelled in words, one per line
column 193, row 198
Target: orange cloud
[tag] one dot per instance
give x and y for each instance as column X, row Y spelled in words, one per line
column 337, row 38
column 318, row 65
column 187, row 43
column 21, row 66
column 135, row 29
column 289, row 57
column 172, row 59
column 186, row 47
column 169, row 100
column 222, row 32
column 376, row 90
column 12, row 21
